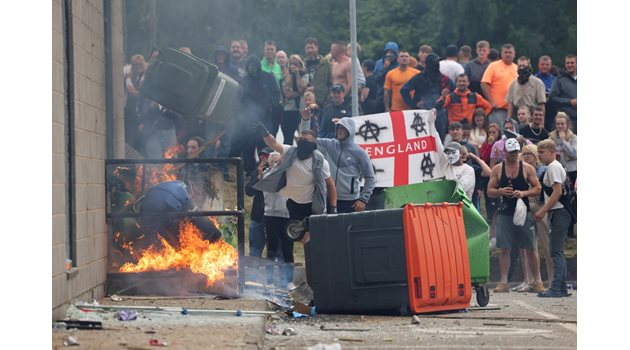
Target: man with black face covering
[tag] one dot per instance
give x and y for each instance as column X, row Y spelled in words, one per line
column 526, row 90
column 303, row 176
column 428, row 86
column 349, row 163
column 260, row 93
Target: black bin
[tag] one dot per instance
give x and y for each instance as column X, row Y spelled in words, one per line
column 355, row 263
column 191, row 86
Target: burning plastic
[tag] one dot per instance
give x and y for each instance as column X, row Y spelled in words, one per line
column 194, row 253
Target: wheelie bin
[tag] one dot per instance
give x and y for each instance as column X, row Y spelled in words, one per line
column 476, row 227
column 191, row 86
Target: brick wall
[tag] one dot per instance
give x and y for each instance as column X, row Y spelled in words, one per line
column 90, row 148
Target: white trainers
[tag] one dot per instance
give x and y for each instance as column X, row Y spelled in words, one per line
column 520, row 286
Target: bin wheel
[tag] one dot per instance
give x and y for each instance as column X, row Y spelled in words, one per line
column 295, row 230
column 483, row 295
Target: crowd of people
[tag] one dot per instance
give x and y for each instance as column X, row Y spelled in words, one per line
column 509, row 136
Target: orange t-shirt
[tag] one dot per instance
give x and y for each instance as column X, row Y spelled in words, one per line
column 500, row 76
column 394, row 80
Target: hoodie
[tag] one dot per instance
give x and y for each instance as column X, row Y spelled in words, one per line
column 348, row 164
column 260, row 93
column 563, row 90
column 227, row 67
column 379, row 64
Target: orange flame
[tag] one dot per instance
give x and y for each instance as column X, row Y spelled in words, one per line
column 157, row 174
column 194, row 253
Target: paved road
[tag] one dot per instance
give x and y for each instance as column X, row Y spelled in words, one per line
column 511, row 321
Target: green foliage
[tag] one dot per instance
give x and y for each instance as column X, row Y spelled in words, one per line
column 535, row 27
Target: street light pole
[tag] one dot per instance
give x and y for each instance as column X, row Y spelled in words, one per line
column 354, row 58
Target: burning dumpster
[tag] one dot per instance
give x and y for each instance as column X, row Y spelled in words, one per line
column 166, row 237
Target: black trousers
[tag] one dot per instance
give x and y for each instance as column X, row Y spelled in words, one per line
column 275, row 228
column 299, row 211
column 290, row 121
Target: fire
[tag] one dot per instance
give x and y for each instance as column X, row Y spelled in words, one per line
column 194, row 253
column 157, row 174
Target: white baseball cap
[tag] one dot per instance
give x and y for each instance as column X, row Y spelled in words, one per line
column 512, row 145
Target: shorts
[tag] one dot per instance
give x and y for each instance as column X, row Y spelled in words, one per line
column 517, row 237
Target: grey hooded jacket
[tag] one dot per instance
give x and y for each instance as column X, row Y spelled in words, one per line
column 348, row 163
column 277, row 178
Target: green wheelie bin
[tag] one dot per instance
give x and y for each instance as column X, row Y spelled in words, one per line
column 477, row 228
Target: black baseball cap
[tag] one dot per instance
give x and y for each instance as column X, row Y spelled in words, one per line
column 337, row 88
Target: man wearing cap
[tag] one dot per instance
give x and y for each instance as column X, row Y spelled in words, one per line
column 454, row 168
column 512, row 180
column 336, row 108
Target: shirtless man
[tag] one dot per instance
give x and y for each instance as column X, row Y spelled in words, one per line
column 342, row 67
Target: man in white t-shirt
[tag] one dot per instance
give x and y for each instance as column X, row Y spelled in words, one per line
column 558, row 216
column 303, row 176
column 456, row 169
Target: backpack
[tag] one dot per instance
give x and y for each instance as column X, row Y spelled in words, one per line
column 568, row 199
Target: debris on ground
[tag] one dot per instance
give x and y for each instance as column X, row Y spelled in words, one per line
column 350, row 339
column 127, row 315
column 415, row 319
column 156, row 342
column 321, row 346
column 273, row 330
column 71, row 340
column 115, row 297
column 289, row 331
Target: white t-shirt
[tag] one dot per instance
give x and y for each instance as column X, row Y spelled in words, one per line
column 464, row 174
column 451, row 69
column 300, row 181
column 555, row 174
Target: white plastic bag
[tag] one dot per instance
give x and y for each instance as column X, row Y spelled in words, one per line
column 520, row 213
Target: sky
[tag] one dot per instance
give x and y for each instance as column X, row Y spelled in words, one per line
column 26, row 139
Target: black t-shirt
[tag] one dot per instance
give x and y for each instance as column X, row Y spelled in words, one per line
column 508, row 205
column 534, row 135
column 372, row 103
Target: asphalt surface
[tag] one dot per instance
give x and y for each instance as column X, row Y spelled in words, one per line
column 510, row 321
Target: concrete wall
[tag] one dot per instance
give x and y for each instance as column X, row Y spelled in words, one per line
column 88, row 280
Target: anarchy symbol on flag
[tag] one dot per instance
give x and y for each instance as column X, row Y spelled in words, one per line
column 401, row 145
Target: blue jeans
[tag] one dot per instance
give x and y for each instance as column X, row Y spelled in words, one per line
column 559, row 221
column 256, row 238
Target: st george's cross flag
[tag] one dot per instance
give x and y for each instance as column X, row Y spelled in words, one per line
column 402, row 146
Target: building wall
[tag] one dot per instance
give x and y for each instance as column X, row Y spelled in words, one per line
column 87, row 281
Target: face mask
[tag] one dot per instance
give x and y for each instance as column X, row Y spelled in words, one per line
column 453, row 157
column 523, row 75
column 305, row 149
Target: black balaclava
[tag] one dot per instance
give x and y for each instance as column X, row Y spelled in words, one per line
column 253, row 65
column 433, row 66
column 305, row 148
column 523, row 74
